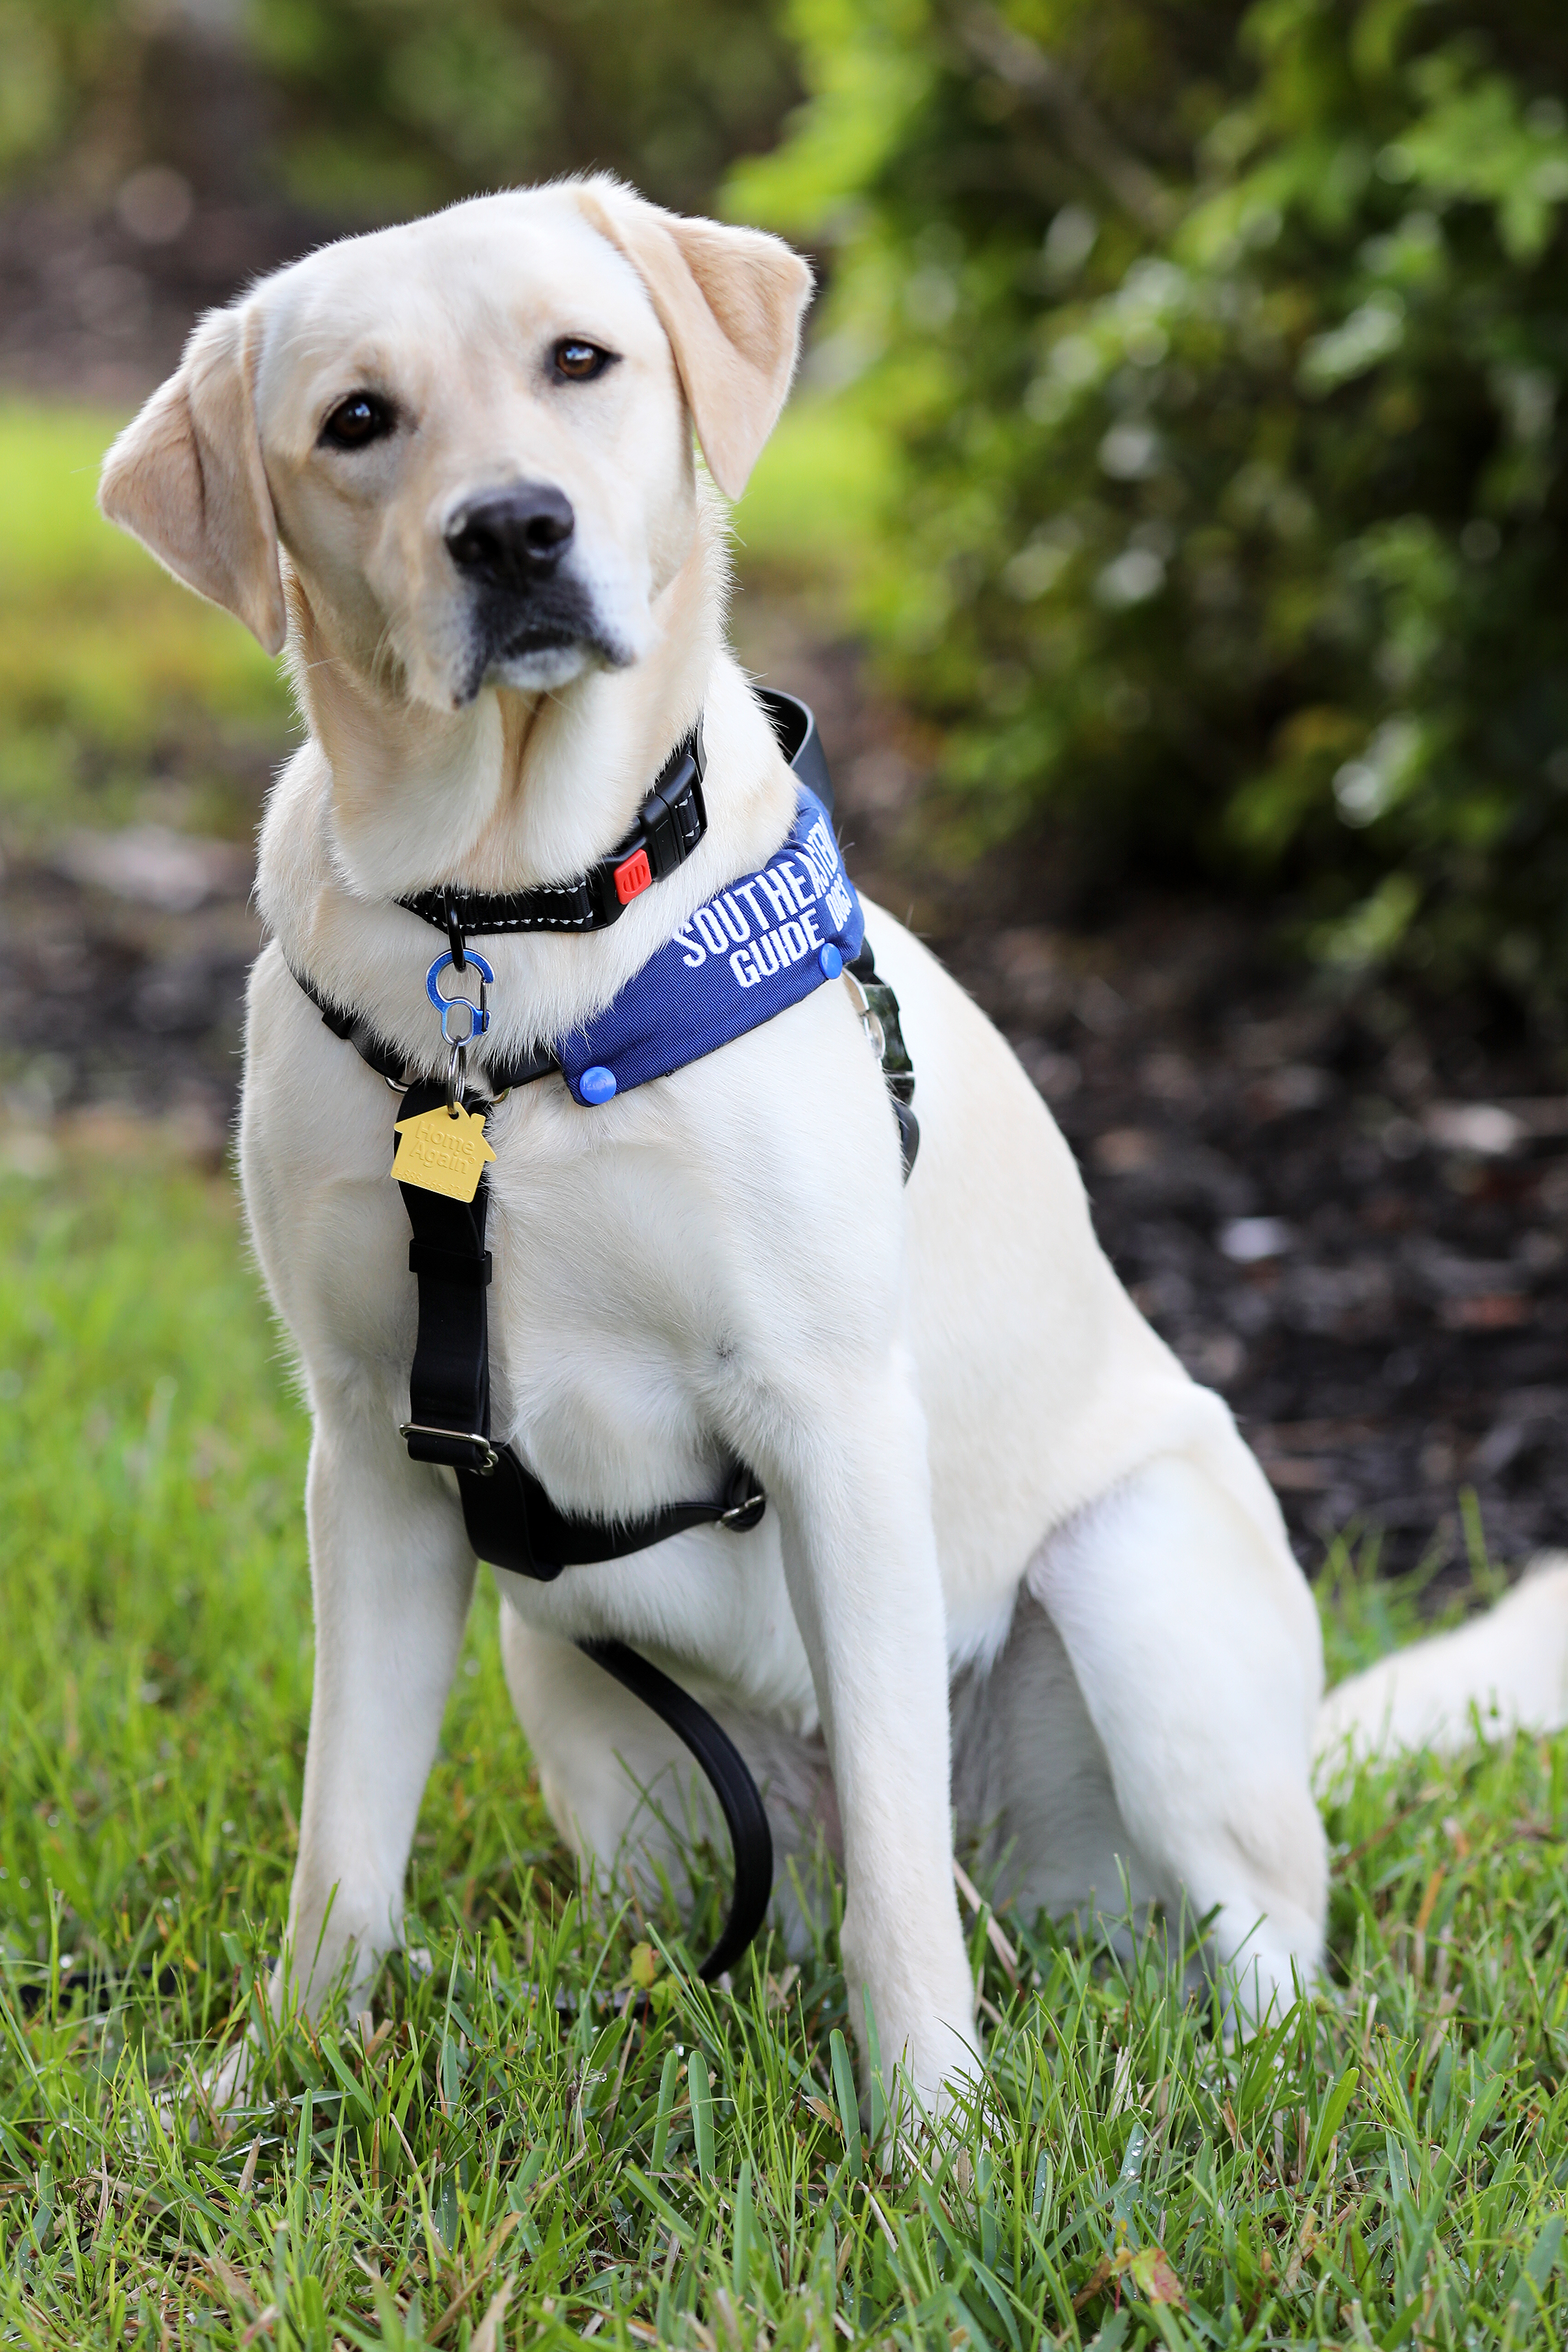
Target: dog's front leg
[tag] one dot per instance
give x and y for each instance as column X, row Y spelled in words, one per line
column 861, row 1561
column 393, row 1575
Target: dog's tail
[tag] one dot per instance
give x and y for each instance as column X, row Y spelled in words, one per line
column 1507, row 1671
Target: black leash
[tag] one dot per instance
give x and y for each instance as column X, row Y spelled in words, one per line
column 750, row 1840
column 509, row 1518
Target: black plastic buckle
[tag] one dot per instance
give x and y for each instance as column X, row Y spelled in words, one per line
column 670, row 823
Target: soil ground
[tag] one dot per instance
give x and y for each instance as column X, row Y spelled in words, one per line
column 1346, row 1213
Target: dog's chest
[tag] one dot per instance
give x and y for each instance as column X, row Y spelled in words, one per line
column 610, row 1302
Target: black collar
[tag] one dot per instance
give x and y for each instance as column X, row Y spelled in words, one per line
column 667, row 827
column 670, row 823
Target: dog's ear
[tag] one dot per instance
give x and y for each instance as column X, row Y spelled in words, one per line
column 185, row 477
column 731, row 301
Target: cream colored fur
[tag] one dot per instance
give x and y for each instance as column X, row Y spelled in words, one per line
column 1013, row 1559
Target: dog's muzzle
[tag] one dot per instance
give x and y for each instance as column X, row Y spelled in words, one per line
column 514, row 549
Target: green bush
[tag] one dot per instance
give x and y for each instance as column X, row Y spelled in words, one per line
column 393, row 99
column 1222, row 349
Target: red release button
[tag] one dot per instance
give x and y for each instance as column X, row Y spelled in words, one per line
column 633, row 876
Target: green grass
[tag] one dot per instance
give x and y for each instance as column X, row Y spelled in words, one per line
column 1387, row 2166
column 107, row 666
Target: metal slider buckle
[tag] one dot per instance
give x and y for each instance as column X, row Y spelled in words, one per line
column 861, row 999
column 407, row 1429
column 745, row 1513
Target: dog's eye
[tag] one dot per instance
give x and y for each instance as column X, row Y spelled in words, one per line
column 355, row 422
column 580, row 362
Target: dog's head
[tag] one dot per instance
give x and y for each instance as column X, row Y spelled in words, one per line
column 473, row 435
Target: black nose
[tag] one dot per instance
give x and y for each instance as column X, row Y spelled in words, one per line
column 515, row 537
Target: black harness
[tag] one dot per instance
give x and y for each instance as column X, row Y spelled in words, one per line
column 510, row 1519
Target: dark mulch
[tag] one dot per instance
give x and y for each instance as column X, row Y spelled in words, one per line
column 1346, row 1216
column 109, row 1004
column 92, row 310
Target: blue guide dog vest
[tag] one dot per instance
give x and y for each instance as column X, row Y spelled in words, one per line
column 759, row 946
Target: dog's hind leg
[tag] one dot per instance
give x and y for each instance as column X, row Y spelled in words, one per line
column 1194, row 1645
column 1032, row 1792
column 392, row 1575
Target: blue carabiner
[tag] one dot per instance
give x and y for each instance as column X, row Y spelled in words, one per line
column 444, row 1004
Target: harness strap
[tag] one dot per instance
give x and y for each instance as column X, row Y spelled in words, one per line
column 510, row 1519
column 356, row 1030
column 512, row 1523
column 449, row 1386
column 898, row 1070
column 389, row 1061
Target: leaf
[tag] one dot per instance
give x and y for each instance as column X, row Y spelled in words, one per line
column 849, row 2103
column 487, row 2336
column 1149, row 2268
column 1548, row 2249
column 1333, row 2114
column 1154, row 2278
column 702, row 2099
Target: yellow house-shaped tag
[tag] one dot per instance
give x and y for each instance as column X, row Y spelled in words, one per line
column 442, row 1151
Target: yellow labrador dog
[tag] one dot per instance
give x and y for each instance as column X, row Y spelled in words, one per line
column 1015, row 1565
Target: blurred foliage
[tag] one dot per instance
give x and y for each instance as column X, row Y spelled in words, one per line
column 365, row 109
column 429, row 103
column 1221, row 349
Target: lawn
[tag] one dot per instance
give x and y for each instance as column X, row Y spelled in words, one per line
column 517, row 2151
column 108, row 671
